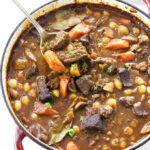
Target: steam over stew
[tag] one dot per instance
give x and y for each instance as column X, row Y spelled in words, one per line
column 91, row 89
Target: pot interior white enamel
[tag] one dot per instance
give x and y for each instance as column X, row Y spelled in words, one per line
column 45, row 9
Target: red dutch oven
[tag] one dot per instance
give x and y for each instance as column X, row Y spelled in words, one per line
column 123, row 6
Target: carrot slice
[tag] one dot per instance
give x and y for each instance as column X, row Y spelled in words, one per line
column 117, row 44
column 41, row 109
column 125, row 57
column 71, row 146
column 109, row 33
column 64, row 80
column 125, row 21
column 54, row 62
column 79, row 30
column 94, row 56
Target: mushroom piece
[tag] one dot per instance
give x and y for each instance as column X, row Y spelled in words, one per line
column 72, row 86
column 80, row 105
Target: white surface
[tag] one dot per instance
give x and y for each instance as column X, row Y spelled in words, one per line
column 10, row 17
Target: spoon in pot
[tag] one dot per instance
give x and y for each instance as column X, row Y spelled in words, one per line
column 43, row 34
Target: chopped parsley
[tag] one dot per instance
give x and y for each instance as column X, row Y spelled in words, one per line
column 102, row 67
column 81, row 118
column 48, row 105
column 99, row 40
column 126, row 65
column 109, row 70
column 73, row 53
column 46, row 44
column 71, row 132
column 73, row 65
column 95, row 88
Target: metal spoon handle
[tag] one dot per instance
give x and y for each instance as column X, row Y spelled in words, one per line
column 41, row 31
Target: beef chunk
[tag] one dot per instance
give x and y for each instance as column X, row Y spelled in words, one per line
column 83, row 67
column 43, row 92
column 79, row 52
column 148, row 67
column 145, row 53
column 93, row 122
column 72, row 86
column 85, row 84
column 125, row 77
column 139, row 110
column 106, row 111
column 84, row 40
column 127, row 101
column 53, row 83
column 60, row 41
column 31, row 71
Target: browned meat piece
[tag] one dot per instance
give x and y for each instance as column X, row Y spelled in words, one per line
column 43, row 92
column 127, row 101
column 31, row 71
column 72, row 86
column 106, row 111
column 148, row 67
column 53, row 83
column 139, row 110
column 146, row 128
column 83, row 67
column 60, row 41
column 125, row 77
column 145, row 53
column 84, row 40
column 85, row 84
column 78, row 53
column 140, row 66
column 112, row 70
column 93, row 122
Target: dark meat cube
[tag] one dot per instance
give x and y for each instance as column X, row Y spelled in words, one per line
column 85, row 40
column 140, row 66
column 125, row 77
column 31, row 71
column 106, row 111
column 127, row 101
column 77, row 54
column 60, row 41
column 139, row 110
column 43, row 92
column 148, row 67
column 85, row 84
column 53, row 83
column 93, row 122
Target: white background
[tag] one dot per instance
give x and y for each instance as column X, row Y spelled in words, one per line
column 10, row 16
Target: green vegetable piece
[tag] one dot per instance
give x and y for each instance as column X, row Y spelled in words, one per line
column 46, row 44
column 126, row 65
column 99, row 40
column 95, row 88
column 73, row 53
column 81, row 118
column 109, row 70
column 71, row 132
column 48, row 105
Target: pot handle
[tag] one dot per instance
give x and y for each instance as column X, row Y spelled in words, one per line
column 147, row 2
column 19, row 136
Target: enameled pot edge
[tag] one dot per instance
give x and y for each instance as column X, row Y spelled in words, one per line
column 8, row 104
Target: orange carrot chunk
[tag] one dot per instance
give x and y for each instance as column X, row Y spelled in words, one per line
column 125, row 57
column 109, row 33
column 64, row 80
column 125, row 21
column 117, row 44
column 40, row 109
column 94, row 56
column 71, row 146
column 79, row 30
column 54, row 62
